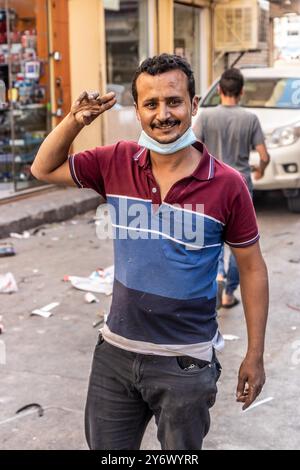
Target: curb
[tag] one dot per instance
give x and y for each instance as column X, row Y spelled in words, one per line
column 61, row 205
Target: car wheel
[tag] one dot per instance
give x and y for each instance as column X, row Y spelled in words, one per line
column 294, row 204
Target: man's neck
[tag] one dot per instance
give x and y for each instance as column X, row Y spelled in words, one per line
column 229, row 100
column 173, row 162
column 168, row 169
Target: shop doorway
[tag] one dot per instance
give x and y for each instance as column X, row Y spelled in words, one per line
column 187, row 36
column 127, row 44
column 25, row 111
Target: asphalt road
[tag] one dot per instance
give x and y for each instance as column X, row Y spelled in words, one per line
column 47, row 361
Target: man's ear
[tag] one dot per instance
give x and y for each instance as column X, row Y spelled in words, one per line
column 195, row 105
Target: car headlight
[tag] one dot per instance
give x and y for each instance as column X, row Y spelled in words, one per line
column 283, row 136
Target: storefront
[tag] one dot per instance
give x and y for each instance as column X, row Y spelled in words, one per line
column 187, row 36
column 127, row 44
column 45, row 64
column 135, row 29
column 25, row 117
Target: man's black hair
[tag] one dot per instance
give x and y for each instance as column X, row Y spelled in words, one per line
column 232, row 82
column 164, row 63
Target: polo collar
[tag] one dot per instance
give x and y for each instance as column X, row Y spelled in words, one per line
column 204, row 171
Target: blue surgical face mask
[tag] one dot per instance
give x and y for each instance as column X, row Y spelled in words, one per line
column 187, row 139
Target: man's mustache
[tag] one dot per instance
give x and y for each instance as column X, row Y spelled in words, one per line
column 168, row 122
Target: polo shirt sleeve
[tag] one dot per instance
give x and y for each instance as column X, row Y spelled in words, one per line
column 258, row 137
column 90, row 168
column 241, row 229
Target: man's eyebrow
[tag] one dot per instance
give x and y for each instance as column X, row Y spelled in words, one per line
column 167, row 98
column 150, row 100
column 176, row 97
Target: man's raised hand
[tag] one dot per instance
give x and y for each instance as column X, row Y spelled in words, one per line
column 89, row 106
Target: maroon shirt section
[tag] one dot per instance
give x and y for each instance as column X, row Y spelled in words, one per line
column 124, row 169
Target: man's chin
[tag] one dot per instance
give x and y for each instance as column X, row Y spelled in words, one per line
column 167, row 139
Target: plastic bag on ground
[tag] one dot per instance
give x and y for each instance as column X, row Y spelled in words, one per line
column 8, row 284
column 100, row 281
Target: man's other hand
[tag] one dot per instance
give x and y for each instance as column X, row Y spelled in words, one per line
column 251, row 381
column 89, row 106
column 258, row 173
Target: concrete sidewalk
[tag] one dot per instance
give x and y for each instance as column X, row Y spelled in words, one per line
column 55, row 205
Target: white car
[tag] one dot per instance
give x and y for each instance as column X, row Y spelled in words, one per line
column 273, row 94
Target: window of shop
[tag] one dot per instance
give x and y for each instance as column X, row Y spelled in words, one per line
column 187, row 36
column 126, row 44
column 126, row 28
column 25, row 117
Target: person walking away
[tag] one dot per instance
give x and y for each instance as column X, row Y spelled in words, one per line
column 230, row 132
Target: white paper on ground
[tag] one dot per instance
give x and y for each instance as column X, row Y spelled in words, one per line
column 8, row 284
column 98, row 282
column 258, row 403
column 93, row 285
column 90, row 298
column 25, row 234
column 45, row 311
column 230, row 337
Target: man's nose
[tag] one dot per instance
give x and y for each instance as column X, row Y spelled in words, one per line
column 163, row 112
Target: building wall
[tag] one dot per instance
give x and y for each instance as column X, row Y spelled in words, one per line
column 241, row 32
column 87, row 61
column 59, row 42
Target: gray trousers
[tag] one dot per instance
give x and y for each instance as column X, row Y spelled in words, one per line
column 126, row 389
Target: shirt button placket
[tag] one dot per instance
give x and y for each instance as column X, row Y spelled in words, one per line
column 155, row 196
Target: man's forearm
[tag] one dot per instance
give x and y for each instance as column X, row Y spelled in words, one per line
column 255, row 295
column 263, row 164
column 55, row 148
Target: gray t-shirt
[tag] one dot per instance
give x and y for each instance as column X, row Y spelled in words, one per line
column 229, row 133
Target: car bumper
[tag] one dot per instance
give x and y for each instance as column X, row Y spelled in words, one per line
column 276, row 175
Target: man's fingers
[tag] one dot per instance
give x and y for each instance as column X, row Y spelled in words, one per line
column 94, row 98
column 249, row 400
column 93, row 95
column 240, row 387
column 90, row 105
column 254, row 391
column 108, row 105
column 81, row 97
column 106, row 98
column 87, row 114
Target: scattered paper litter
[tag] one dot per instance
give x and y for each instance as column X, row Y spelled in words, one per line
column 100, row 281
column 45, row 311
column 8, row 284
column 90, row 298
column 230, row 337
column 25, row 234
column 261, row 402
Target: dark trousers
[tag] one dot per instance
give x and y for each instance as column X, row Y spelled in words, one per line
column 126, row 389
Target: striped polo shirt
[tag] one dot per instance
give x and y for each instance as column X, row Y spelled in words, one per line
column 166, row 252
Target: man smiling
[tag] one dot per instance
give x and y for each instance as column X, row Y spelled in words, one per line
column 156, row 353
